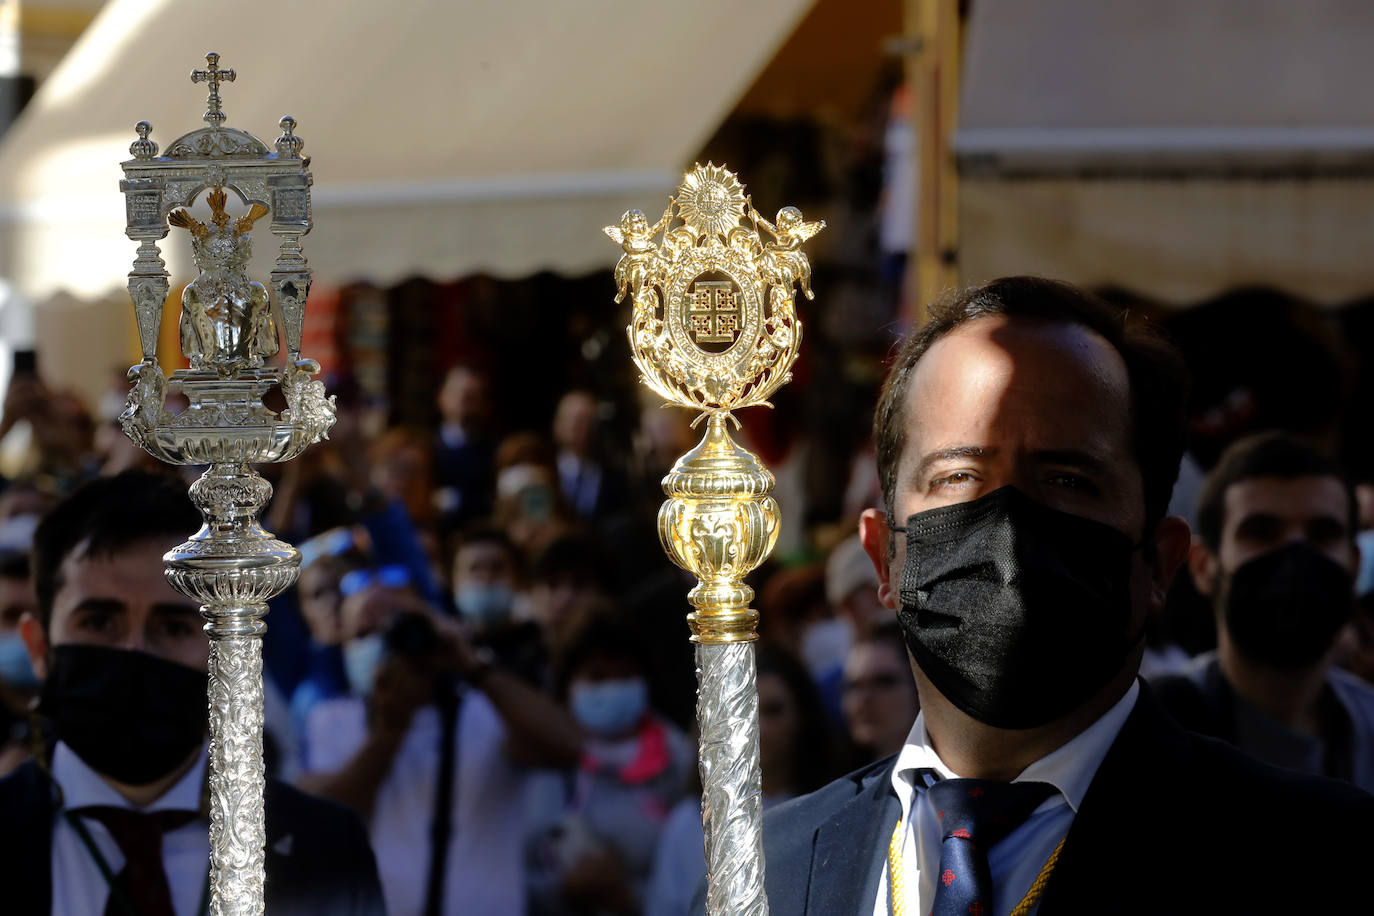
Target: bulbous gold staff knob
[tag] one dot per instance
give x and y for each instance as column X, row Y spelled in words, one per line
column 712, row 285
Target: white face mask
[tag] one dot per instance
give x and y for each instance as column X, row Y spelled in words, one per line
column 1364, row 578
column 609, row 709
column 362, row 657
column 825, row 644
column 484, row 605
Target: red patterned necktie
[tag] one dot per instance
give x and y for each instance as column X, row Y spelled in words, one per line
column 143, row 880
column 975, row 814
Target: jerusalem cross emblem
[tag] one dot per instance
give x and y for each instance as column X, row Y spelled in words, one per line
column 713, row 309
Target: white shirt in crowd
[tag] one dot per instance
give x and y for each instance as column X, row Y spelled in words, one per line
column 78, row 887
column 1015, row 861
column 485, row 854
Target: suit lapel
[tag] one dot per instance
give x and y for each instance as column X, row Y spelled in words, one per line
column 1119, row 810
column 851, row 850
column 26, row 808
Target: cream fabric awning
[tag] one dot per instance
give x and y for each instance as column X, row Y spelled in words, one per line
column 1179, row 241
column 448, row 138
column 1176, row 147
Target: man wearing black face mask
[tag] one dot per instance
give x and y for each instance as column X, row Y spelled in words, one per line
column 1028, row 439
column 111, row 818
column 1276, row 553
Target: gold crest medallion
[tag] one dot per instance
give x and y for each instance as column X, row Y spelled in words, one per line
column 714, row 325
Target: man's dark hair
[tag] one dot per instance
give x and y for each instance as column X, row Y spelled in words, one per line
column 608, row 634
column 105, row 516
column 1158, row 377
column 485, row 533
column 1271, row 454
column 575, row 556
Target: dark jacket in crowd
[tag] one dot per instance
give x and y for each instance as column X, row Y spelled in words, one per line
column 318, row 859
column 1202, row 701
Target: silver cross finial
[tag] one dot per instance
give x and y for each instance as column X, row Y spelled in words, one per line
column 214, row 115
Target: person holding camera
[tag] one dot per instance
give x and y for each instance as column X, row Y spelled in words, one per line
column 431, row 748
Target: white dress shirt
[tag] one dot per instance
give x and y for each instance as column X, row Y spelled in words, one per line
column 483, row 869
column 1016, row 860
column 78, row 887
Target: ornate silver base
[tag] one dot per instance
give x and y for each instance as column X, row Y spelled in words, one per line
column 732, row 800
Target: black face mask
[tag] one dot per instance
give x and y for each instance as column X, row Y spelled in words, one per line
column 1016, row 612
column 131, row 716
column 1284, row 608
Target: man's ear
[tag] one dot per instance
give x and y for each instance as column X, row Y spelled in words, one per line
column 1171, row 540
column 875, row 536
column 1202, row 566
column 36, row 641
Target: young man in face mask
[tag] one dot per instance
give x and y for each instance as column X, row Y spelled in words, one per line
column 1027, row 442
column 113, row 815
column 485, row 577
column 1276, row 554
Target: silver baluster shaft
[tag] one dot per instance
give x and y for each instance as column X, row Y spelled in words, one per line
column 237, row 832
column 732, row 793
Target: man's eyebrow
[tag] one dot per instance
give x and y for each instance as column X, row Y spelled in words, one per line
column 102, row 605
column 176, row 608
column 930, row 459
column 1259, row 516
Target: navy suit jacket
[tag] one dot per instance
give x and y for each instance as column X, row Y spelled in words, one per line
column 466, row 468
column 1173, row 823
column 318, row 857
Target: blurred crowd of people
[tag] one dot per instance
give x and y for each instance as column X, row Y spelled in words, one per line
column 485, row 656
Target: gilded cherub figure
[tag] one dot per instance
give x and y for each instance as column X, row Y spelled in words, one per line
column 226, row 318
column 788, row 265
column 641, row 262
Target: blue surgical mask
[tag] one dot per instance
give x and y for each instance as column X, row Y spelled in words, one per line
column 610, row 709
column 15, row 669
column 1364, row 580
column 362, row 657
column 484, row 605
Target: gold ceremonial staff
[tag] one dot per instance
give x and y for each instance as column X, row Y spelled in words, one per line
column 714, row 328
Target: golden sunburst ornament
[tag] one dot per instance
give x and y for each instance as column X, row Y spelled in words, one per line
column 711, row 200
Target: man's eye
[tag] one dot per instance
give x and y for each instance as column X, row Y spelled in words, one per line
column 97, row 622
column 955, row 479
column 1326, row 531
column 1261, row 530
column 176, row 629
column 1074, row 482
